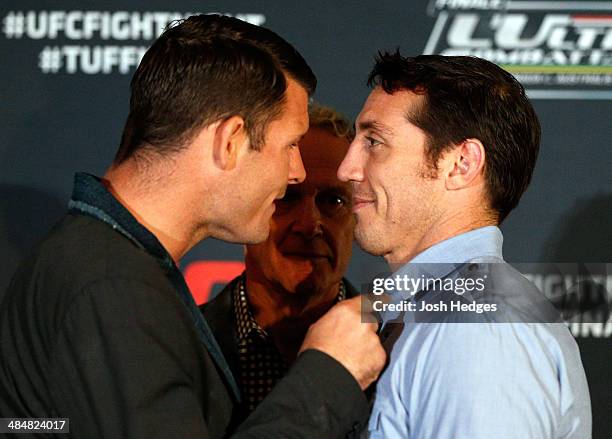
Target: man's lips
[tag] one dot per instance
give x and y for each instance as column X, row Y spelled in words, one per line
column 296, row 246
column 359, row 202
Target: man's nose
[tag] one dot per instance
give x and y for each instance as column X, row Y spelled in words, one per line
column 351, row 168
column 308, row 219
column 297, row 173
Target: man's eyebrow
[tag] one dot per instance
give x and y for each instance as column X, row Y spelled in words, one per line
column 297, row 139
column 372, row 125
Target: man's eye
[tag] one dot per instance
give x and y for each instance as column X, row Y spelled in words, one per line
column 371, row 142
column 332, row 200
column 336, row 200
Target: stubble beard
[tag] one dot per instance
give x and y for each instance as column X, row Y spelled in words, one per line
column 371, row 238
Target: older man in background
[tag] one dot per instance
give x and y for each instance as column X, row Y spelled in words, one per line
column 296, row 275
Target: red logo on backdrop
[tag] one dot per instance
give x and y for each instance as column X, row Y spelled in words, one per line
column 202, row 275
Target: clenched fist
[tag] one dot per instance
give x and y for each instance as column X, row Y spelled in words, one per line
column 341, row 334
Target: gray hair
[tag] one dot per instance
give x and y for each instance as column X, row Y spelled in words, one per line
column 330, row 120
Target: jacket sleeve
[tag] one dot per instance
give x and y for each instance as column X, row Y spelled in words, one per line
column 317, row 398
column 123, row 365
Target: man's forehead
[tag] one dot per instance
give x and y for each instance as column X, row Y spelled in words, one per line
column 322, row 153
column 297, row 105
column 321, row 148
column 303, row 122
column 322, row 180
column 319, row 159
column 382, row 110
column 297, row 121
column 321, row 174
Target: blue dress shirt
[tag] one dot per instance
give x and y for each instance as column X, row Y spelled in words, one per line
column 480, row 380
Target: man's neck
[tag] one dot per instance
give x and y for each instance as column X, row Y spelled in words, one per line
column 285, row 315
column 150, row 201
column 443, row 230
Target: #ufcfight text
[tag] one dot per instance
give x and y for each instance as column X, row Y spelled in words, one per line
column 66, row 29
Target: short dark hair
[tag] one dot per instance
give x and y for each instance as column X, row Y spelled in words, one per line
column 204, row 69
column 467, row 97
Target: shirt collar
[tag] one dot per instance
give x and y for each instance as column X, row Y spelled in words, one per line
column 245, row 321
column 444, row 257
column 90, row 197
column 482, row 242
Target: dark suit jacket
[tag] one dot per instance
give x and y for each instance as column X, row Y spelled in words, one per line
column 93, row 328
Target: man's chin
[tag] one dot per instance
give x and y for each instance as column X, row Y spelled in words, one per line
column 246, row 235
column 308, row 288
column 257, row 237
column 369, row 243
column 258, row 233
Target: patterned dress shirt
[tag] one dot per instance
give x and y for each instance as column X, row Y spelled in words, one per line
column 261, row 365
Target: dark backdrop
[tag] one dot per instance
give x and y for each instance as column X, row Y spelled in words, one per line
column 64, row 102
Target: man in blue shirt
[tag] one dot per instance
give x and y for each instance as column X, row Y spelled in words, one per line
column 444, row 149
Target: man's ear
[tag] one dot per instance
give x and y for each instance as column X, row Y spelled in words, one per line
column 466, row 165
column 229, row 136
